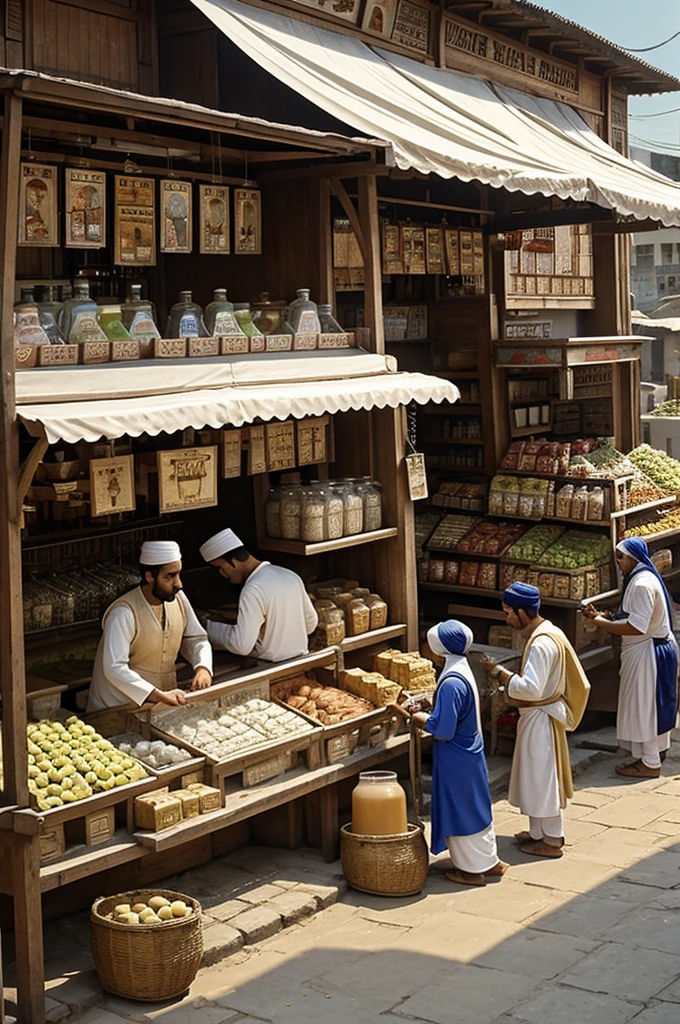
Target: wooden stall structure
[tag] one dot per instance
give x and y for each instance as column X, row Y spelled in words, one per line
column 196, row 436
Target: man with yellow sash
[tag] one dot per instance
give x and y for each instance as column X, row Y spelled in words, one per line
column 551, row 691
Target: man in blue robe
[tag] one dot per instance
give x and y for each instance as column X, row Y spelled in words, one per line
column 462, row 820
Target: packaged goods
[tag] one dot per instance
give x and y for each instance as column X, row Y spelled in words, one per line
column 577, row 549
column 156, row 811
column 450, row 530
column 487, row 575
column 383, row 662
column 490, row 537
column 468, row 574
column 378, row 610
column 209, row 798
column 154, row 753
column 436, row 570
column 579, row 503
column 358, row 617
column 596, row 504
column 451, row 572
column 190, row 802
column 563, row 501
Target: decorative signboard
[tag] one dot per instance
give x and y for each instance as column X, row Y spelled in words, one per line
column 257, row 452
column 85, row 209
column 379, row 16
column 176, row 219
column 550, row 262
column 533, row 330
column 38, row 205
column 312, row 444
column 187, row 478
column 214, row 219
column 134, row 221
column 247, row 221
column 348, row 10
column 112, row 485
column 412, row 26
column 231, row 453
column 280, row 446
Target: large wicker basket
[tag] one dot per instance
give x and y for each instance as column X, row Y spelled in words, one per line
column 146, row 962
column 393, row 865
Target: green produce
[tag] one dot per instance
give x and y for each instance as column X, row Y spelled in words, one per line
column 532, row 545
column 71, row 761
column 662, row 469
column 669, row 408
column 577, row 549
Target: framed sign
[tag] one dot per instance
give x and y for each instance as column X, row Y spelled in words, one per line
column 379, row 16
column 452, row 245
column 434, row 250
column 257, row 453
column 247, row 221
column 134, row 221
column 85, row 209
column 280, row 445
column 417, row 476
column 112, row 485
column 38, row 205
column 214, row 219
column 412, row 26
column 187, row 478
column 176, row 219
column 231, row 453
column 311, row 440
column 392, row 254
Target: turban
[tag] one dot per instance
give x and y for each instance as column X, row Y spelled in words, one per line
column 160, row 552
column 220, row 544
column 450, row 637
column 522, row 595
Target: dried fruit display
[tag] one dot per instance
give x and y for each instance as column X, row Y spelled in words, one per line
column 662, row 469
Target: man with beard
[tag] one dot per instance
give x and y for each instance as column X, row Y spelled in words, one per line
column 275, row 614
column 143, row 633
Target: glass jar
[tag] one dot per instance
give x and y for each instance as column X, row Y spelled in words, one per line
column 379, row 805
column 186, row 319
column 357, row 616
column 291, row 512
column 302, row 314
column 335, row 513
column 268, row 316
column 272, row 512
column 372, row 499
column 27, row 327
column 79, row 320
column 314, row 504
column 139, row 318
column 329, row 325
column 220, row 320
column 353, row 509
column 245, row 320
column 111, row 322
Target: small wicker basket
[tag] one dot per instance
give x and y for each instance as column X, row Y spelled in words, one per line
column 393, row 865
column 146, row 962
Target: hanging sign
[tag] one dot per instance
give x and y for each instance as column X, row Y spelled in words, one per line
column 214, row 219
column 134, row 222
column 112, row 485
column 187, row 478
column 38, row 205
column 85, row 209
column 247, row 221
column 176, row 219
column 417, row 476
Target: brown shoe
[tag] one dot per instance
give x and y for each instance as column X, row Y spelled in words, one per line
column 498, row 870
column 523, row 837
column 638, row 770
column 542, row 849
column 465, row 877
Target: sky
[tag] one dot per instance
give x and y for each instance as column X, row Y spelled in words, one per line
column 638, row 23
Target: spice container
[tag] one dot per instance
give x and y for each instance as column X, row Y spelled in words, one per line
column 596, row 504
column 245, row 320
column 220, row 320
column 357, row 617
column 291, row 512
column 372, row 499
column 302, row 314
column 378, row 610
column 272, row 512
column 579, row 504
column 335, row 514
column 313, row 514
column 186, row 319
column 27, row 327
column 353, row 509
column 378, row 805
column 330, row 631
column 329, row 325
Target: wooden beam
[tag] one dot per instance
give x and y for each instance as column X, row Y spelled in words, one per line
column 12, row 674
column 338, row 189
column 368, row 215
column 327, row 289
column 28, row 936
column 342, row 170
column 549, row 218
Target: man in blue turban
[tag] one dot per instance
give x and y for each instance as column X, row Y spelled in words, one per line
column 551, row 691
column 647, row 705
column 461, row 804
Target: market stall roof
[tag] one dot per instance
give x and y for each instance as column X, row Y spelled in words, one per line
column 110, row 400
column 445, row 122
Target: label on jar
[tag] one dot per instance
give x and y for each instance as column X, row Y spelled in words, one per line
column 226, row 324
column 143, row 328
column 188, row 326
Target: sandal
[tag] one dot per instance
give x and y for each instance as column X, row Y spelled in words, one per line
column 540, row 848
column 465, row 877
column 638, row 770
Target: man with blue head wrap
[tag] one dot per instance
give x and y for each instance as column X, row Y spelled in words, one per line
column 647, row 705
column 551, row 691
column 461, row 804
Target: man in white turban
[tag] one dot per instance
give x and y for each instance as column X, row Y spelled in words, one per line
column 275, row 614
column 144, row 631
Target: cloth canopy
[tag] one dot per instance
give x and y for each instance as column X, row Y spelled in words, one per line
column 110, row 400
column 445, row 122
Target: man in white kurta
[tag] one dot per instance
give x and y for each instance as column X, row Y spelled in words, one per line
column 647, row 702
column 540, row 778
column 275, row 614
column 144, row 631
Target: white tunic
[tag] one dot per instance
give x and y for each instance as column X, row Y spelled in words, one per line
column 275, row 617
column 113, row 681
column 645, row 604
column 534, row 786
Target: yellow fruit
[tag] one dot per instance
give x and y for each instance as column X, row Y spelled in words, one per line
column 158, row 901
column 54, row 789
column 67, row 782
column 91, row 777
column 69, row 796
column 179, row 908
column 33, row 771
column 139, row 907
column 122, row 908
column 165, row 913
column 130, row 918
column 119, row 780
column 54, row 801
column 42, row 780
column 148, row 916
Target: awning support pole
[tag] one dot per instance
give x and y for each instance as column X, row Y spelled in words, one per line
column 28, row 468
column 368, row 215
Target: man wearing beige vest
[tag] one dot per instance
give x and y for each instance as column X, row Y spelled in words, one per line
column 144, row 631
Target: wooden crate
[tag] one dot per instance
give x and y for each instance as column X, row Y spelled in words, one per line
column 52, row 841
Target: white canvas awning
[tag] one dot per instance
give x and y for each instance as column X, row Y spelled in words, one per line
column 110, row 400
column 445, row 122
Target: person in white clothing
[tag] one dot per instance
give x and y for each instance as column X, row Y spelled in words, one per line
column 551, row 691
column 275, row 614
column 144, row 631
column 647, row 705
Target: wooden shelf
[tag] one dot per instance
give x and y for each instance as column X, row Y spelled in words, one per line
column 440, row 467
column 661, row 535
column 93, row 532
column 82, row 861
column 453, row 588
column 542, row 428
column 657, row 503
column 458, row 374
column 475, row 441
column 296, row 547
column 375, row 636
column 464, row 408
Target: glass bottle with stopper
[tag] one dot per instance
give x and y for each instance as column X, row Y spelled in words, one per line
column 220, row 320
column 139, row 318
column 303, row 316
column 186, row 319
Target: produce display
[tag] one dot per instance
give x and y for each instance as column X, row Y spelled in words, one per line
column 659, row 467
column 153, row 753
column 327, row 704
column 222, row 731
column 451, row 529
column 531, row 546
column 665, row 521
column 155, row 911
column 455, row 495
column 465, row 574
column 669, row 408
column 528, row 497
column 577, row 549
column 71, row 761
column 549, row 457
column 490, row 538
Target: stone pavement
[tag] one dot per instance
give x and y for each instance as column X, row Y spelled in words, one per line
column 594, row 936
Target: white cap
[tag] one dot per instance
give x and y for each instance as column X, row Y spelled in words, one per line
column 220, row 544
column 160, row 552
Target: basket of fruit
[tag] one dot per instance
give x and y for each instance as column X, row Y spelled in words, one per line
column 147, row 944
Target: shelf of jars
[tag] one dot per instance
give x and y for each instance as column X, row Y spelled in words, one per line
column 292, row 547
column 375, row 636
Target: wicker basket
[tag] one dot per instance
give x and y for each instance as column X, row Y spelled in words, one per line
column 393, row 865
column 147, row 962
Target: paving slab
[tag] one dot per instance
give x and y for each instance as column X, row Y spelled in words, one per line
column 569, row 873
column 95, row 1015
column 257, row 924
column 508, row 900
column 634, row 812
column 620, row 847
column 325, row 895
column 585, row 916
column 560, row 1005
column 630, row 973
column 671, row 994
column 219, row 941
column 662, row 870
column 466, row 993
column 226, row 910
column 293, row 906
column 662, row 1013
column 537, row 954
column 651, row 927
column 456, row 938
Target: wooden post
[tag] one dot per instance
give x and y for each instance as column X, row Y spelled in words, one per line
column 28, row 928
column 327, row 279
column 330, row 827
column 12, row 675
column 368, row 215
